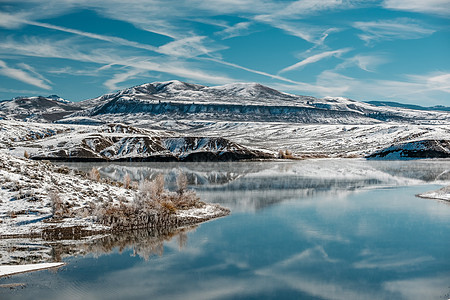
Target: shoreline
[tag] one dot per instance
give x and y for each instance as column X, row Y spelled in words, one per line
column 442, row 194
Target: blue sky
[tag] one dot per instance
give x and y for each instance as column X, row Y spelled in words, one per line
column 394, row 50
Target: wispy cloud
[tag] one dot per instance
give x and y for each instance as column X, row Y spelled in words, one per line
column 413, row 89
column 183, row 47
column 315, row 58
column 288, row 83
column 397, row 29
column 431, row 82
column 68, row 49
column 438, row 7
column 33, row 71
column 111, row 39
column 287, row 18
column 111, row 84
column 399, row 261
column 24, row 76
column 311, row 33
column 238, row 29
column 299, row 9
column 417, row 288
column 189, row 47
column 11, row 21
column 367, row 63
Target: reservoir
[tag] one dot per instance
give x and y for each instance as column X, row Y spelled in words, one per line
column 313, row 229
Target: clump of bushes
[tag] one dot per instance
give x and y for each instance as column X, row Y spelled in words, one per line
column 153, row 204
column 285, row 154
column 153, row 195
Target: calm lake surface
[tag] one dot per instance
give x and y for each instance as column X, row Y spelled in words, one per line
column 318, row 229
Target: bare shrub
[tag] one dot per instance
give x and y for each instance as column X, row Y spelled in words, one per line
column 57, row 204
column 94, row 174
column 158, row 185
column 288, row 153
column 126, row 181
column 182, row 183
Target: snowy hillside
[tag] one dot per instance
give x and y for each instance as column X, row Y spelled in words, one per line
column 116, row 142
column 308, row 140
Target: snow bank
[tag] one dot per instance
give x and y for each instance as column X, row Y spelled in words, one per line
column 17, row 269
column 441, row 194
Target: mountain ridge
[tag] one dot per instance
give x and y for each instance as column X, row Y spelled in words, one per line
column 231, row 102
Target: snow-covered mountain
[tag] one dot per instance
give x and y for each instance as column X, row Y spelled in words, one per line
column 40, row 109
column 239, row 102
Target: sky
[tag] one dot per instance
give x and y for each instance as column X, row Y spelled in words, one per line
column 389, row 50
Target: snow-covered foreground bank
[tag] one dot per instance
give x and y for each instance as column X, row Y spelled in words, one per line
column 41, row 199
column 441, row 194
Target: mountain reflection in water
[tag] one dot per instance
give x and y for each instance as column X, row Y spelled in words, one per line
column 249, row 186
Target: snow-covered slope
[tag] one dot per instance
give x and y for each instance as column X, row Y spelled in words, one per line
column 308, row 140
column 42, row 109
column 116, row 142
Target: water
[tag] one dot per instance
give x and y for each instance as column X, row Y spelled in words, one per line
column 326, row 229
